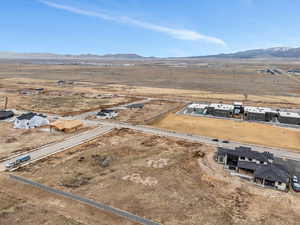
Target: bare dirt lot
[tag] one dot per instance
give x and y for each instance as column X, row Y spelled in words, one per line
column 22, row 205
column 63, row 102
column 150, row 112
column 14, row 141
column 240, row 131
column 166, row 180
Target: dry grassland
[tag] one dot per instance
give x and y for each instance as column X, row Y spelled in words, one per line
column 9, row 87
column 166, row 180
column 23, row 205
column 239, row 131
column 149, row 112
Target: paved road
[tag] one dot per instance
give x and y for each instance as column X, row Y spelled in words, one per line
column 108, row 126
column 207, row 140
column 61, row 146
column 107, row 208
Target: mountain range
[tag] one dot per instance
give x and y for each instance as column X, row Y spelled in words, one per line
column 278, row 52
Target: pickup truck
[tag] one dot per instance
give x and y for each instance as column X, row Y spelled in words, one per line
column 18, row 161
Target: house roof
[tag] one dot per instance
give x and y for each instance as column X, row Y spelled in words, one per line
column 221, row 106
column 138, row 105
column 29, row 116
column 6, row 114
column 248, row 153
column 66, row 124
column 106, row 111
column 289, row 114
column 197, row 106
column 248, row 165
column 272, row 172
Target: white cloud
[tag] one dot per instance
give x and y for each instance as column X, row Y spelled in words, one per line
column 181, row 34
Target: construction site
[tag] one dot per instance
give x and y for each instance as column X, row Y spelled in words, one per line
column 160, row 179
column 86, row 152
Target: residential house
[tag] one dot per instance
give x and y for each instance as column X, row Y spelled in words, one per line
column 6, row 115
column 67, row 126
column 136, row 106
column 30, row 120
column 259, row 166
column 107, row 114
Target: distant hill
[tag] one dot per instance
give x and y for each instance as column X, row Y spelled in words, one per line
column 15, row 55
column 269, row 53
column 279, row 52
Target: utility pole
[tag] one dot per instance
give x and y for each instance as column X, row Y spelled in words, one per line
column 5, row 103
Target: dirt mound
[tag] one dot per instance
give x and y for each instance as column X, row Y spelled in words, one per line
column 75, row 180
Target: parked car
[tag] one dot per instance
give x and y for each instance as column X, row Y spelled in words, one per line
column 295, row 179
column 295, row 184
column 215, row 140
column 296, row 187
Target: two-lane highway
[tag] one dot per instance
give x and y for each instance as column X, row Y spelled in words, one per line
column 61, row 146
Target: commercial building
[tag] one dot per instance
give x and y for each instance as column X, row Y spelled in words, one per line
column 220, row 110
column 259, row 113
column 238, row 108
column 195, row 108
column 289, row 118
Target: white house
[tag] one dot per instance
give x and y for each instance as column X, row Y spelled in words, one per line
column 30, row 120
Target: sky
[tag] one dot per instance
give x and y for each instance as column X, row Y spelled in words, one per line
column 162, row 28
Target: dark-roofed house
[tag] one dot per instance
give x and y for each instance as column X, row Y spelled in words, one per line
column 272, row 175
column 258, row 166
column 136, row 106
column 30, row 120
column 107, row 114
column 230, row 158
column 6, row 114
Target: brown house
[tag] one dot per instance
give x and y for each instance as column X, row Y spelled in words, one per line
column 67, row 126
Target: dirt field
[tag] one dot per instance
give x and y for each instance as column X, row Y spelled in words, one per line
column 22, row 205
column 63, row 102
column 14, row 141
column 83, row 93
column 239, row 131
column 149, row 113
column 166, row 180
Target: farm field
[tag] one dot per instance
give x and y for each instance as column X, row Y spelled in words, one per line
column 239, row 131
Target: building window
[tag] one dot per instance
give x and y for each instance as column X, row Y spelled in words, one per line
column 221, row 158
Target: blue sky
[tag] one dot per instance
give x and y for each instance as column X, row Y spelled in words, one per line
column 148, row 27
